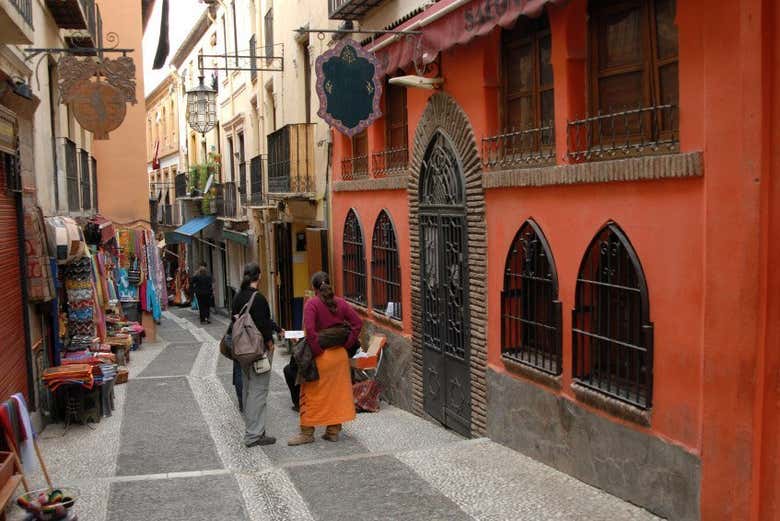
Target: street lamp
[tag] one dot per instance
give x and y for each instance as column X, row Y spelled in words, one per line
column 202, row 110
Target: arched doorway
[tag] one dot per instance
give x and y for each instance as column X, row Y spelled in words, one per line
column 448, row 243
column 444, row 286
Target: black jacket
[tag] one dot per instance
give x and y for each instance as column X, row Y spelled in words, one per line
column 260, row 312
column 201, row 283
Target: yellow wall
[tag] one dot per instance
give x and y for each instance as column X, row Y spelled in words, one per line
column 300, row 263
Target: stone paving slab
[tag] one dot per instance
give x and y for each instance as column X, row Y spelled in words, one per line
column 179, row 336
column 376, row 488
column 174, row 360
column 164, row 430
column 205, row 498
column 492, row 482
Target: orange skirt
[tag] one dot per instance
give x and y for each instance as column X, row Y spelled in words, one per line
column 329, row 400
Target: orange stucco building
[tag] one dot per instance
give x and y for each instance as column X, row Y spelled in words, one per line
column 582, row 227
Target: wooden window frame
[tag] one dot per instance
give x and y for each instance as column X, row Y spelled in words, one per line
column 536, row 31
column 650, row 67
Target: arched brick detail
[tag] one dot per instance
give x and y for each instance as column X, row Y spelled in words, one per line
column 443, row 113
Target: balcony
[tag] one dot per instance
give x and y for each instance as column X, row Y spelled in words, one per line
column 353, row 168
column 81, row 19
column 628, row 133
column 180, row 185
column 350, row 9
column 16, row 22
column 227, row 205
column 291, row 160
column 393, row 161
column 519, row 149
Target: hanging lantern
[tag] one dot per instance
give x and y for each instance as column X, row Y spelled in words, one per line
column 202, row 108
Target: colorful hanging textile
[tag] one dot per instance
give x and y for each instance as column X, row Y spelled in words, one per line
column 26, row 444
column 40, row 281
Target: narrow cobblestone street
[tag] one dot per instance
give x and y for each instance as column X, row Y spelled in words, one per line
column 172, row 451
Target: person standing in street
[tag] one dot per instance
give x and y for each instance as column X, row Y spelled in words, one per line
column 254, row 384
column 327, row 401
column 203, row 288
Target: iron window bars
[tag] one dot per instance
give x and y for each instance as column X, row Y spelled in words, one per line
column 86, row 193
column 612, row 335
column 519, row 148
column 354, row 260
column 354, row 168
column 180, row 184
column 71, row 175
column 639, row 131
column 255, row 180
column 392, row 161
column 24, row 8
column 385, row 268
column 530, row 309
column 229, row 205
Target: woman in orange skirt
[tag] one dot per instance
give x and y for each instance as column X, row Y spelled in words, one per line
column 327, row 401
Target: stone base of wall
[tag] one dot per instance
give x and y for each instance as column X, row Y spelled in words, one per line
column 632, row 465
column 395, row 374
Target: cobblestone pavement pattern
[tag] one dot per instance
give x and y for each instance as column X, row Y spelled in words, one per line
column 172, row 451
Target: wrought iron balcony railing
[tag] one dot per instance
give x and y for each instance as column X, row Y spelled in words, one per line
column 640, row 131
column 392, row 161
column 180, row 185
column 519, row 148
column 227, row 206
column 350, row 9
column 291, row 159
column 354, row 168
column 24, row 8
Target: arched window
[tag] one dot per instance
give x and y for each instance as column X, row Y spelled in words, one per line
column 612, row 334
column 385, row 268
column 354, row 260
column 530, row 309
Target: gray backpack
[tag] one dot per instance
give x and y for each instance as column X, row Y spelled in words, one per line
column 248, row 342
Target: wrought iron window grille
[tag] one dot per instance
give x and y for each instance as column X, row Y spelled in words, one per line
column 530, row 309
column 612, row 336
column 354, row 260
column 393, row 161
column 354, row 168
column 385, row 269
column 519, row 148
column 632, row 132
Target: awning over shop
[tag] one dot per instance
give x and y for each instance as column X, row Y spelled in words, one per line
column 237, row 237
column 451, row 23
column 186, row 231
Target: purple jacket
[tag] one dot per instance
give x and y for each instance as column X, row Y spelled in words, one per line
column 317, row 316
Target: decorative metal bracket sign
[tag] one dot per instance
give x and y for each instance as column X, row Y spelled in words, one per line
column 96, row 88
column 349, row 87
column 97, row 91
column 272, row 61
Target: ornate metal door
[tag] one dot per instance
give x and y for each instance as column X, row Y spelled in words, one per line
column 444, row 291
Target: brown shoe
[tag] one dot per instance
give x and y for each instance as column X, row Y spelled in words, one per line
column 332, row 433
column 306, row 436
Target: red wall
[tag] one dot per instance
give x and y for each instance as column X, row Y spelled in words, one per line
column 708, row 245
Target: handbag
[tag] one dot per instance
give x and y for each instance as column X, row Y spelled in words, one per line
column 262, row 365
column 226, row 346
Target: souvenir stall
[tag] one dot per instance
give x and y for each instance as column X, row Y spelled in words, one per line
column 106, row 276
column 174, row 259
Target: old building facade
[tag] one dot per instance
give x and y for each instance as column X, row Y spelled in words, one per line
column 542, row 238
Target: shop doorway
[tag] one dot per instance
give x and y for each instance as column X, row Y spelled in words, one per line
column 444, row 291
column 284, row 270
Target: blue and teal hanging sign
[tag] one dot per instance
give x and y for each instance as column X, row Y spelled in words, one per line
column 349, row 87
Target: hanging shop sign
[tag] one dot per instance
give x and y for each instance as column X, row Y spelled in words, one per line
column 97, row 91
column 349, row 87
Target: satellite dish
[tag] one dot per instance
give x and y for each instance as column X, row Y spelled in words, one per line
column 209, row 182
